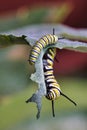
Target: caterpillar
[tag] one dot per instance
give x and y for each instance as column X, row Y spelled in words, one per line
column 39, row 45
column 53, row 90
column 52, row 87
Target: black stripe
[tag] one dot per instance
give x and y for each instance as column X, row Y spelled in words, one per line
column 47, row 38
column 47, row 69
column 44, row 40
column 50, row 59
column 38, row 46
column 33, row 56
column 35, row 51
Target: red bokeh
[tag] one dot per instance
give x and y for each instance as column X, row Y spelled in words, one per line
column 78, row 18
column 70, row 63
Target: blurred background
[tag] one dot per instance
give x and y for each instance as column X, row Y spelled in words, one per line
column 70, row 71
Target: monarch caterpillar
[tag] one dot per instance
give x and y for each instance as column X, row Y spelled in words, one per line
column 53, row 90
column 52, row 87
column 39, row 45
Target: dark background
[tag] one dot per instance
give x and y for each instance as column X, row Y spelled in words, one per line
column 78, row 18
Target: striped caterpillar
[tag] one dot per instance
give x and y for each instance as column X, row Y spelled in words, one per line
column 53, row 90
column 52, row 87
column 39, row 45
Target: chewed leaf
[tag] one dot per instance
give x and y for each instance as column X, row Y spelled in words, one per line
column 38, row 77
column 74, row 39
column 36, row 97
column 30, row 34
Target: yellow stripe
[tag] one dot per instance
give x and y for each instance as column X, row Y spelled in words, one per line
column 51, row 57
column 51, row 80
column 56, row 85
column 48, row 67
column 37, row 49
column 48, row 36
column 48, row 72
column 42, row 42
column 53, row 51
column 49, row 62
column 46, row 40
column 32, row 58
column 34, row 53
column 52, row 38
column 40, row 45
column 49, row 77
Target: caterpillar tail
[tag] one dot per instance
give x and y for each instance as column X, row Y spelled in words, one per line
column 53, row 113
column 68, row 98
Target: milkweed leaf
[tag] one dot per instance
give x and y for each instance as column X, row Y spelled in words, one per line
column 74, row 39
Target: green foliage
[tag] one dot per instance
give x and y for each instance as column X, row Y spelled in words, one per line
column 14, row 110
column 36, row 15
column 13, row 77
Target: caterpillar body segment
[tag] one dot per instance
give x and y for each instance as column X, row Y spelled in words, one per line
column 39, row 45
